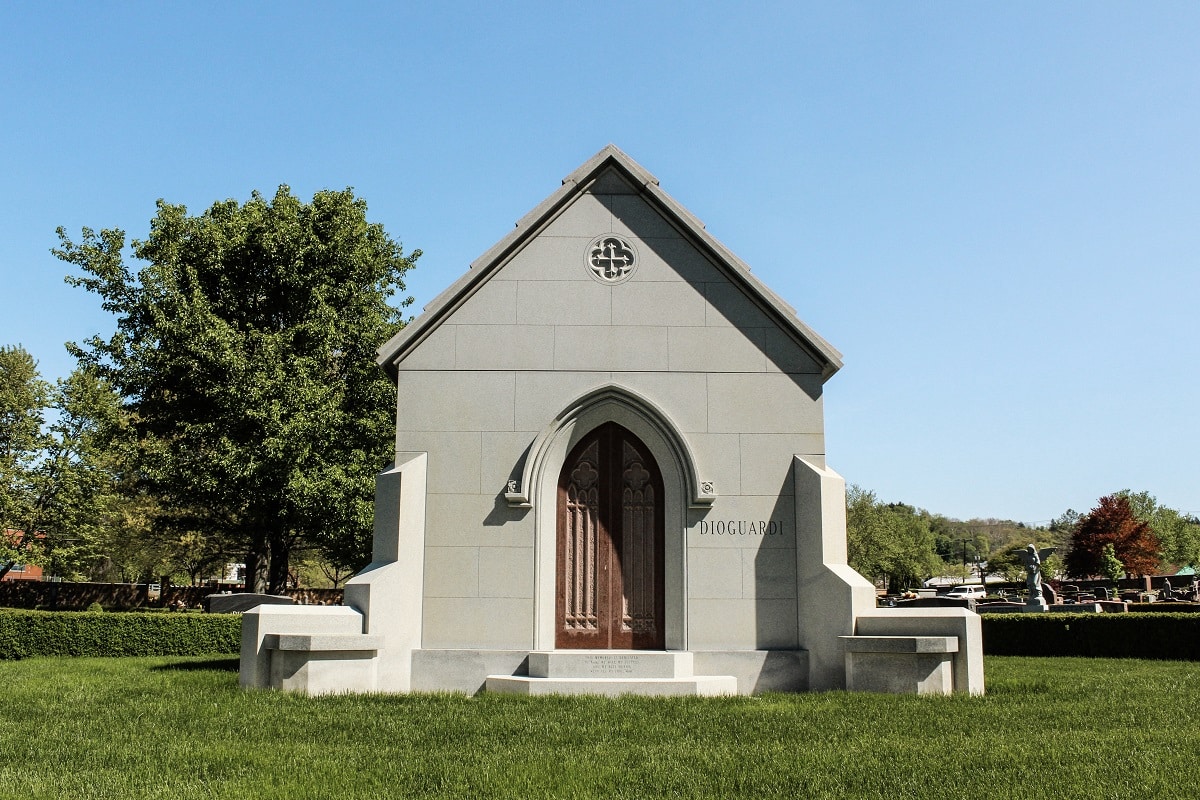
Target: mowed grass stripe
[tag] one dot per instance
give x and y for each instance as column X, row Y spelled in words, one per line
column 181, row 728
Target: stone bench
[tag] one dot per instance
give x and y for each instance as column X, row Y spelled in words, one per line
column 323, row 663
column 900, row 664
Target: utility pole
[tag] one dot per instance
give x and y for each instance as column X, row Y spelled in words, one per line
column 981, row 561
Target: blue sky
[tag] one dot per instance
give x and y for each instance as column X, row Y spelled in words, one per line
column 991, row 209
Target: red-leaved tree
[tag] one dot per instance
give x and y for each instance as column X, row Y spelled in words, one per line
column 1112, row 522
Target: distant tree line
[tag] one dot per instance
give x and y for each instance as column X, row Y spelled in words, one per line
column 1129, row 533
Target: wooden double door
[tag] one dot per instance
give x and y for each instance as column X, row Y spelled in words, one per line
column 610, row 545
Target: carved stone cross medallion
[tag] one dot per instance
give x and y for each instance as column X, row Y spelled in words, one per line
column 611, row 258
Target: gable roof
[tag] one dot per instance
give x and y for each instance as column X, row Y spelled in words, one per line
column 483, row 268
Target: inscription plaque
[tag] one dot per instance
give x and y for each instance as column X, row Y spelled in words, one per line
column 742, row 527
column 610, row 666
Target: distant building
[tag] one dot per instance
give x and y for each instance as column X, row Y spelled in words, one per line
column 20, row 572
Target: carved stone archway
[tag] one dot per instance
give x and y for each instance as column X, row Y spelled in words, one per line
column 682, row 488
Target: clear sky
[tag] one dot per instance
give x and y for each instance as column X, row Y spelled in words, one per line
column 992, row 209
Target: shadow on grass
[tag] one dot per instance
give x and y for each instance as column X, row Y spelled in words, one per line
column 1019, row 687
column 224, row 664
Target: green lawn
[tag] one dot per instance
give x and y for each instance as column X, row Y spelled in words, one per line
column 178, row 728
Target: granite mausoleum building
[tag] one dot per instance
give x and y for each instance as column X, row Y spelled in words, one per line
column 610, row 477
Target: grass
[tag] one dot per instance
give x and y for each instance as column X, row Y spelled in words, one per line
column 180, row 728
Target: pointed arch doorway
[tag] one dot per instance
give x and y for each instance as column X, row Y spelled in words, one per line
column 609, row 591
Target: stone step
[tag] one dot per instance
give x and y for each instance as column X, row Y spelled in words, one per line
column 622, row 664
column 701, row 686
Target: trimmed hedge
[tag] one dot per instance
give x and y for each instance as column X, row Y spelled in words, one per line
column 83, row 633
column 1161, row 636
column 72, row 596
column 1165, row 607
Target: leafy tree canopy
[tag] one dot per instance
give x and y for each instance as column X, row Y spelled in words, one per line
column 1178, row 534
column 892, row 543
column 24, row 397
column 57, row 479
column 244, row 351
column 1111, row 566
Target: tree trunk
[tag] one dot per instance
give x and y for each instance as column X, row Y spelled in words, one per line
column 257, row 567
column 277, row 577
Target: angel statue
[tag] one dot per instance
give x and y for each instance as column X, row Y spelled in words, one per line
column 1032, row 558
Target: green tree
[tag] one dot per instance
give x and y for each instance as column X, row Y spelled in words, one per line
column 24, row 398
column 1178, row 534
column 868, row 540
column 889, row 543
column 244, row 351
column 74, row 485
column 131, row 548
column 58, row 479
column 1111, row 566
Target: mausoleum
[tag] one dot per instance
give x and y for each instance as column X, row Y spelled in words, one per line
column 610, row 477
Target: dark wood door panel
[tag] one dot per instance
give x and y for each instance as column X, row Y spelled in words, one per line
column 609, row 591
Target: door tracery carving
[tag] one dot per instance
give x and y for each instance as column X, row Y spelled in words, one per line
column 610, row 545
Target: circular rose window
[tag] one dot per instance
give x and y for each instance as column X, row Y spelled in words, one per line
column 611, row 258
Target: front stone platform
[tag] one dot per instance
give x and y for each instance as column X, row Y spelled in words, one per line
column 612, row 673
